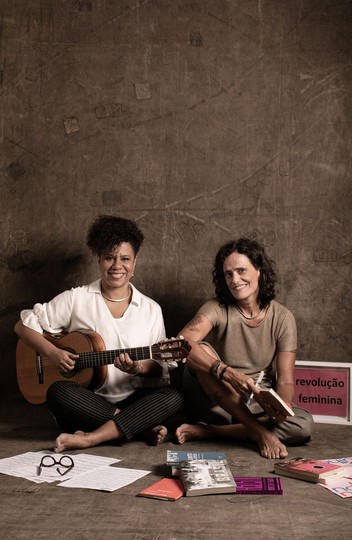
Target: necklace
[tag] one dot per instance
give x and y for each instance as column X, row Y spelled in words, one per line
column 115, row 299
column 250, row 318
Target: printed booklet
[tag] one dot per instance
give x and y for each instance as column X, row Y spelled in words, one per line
column 167, row 489
column 258, row 485
column 206, row 477
column 174, row 457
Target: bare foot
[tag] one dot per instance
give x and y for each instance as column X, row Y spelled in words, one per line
column 70, row 441
column 191, row 432
column 156, row 435
column 270, row 446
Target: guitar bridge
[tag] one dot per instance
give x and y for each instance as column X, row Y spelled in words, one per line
column 39, row 367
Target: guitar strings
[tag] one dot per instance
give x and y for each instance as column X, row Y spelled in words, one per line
column 100, row 358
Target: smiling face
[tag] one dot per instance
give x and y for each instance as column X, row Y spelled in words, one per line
column 116, row 268
column 241, row 277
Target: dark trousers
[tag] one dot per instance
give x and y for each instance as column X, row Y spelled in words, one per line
column 77, row 408
column 294, row 430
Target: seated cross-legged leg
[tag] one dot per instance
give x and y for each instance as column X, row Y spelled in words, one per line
column 91, row 420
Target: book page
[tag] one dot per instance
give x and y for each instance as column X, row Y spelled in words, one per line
column 270, row 397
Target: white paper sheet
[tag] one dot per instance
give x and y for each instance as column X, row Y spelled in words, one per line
column 26, row 466
column 105, row 479
column 340, row 486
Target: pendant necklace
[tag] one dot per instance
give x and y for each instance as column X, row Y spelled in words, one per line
column 250, row 318
column 115, row 299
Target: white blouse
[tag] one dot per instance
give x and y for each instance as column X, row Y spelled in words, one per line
column 84, row 309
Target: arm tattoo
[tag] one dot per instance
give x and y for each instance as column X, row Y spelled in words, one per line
column 192, row 325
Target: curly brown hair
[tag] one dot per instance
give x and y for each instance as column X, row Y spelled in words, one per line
column 107, row 232
column 256, row 254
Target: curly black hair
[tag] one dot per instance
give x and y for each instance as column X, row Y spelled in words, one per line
column 256, row 254
column 107, row 232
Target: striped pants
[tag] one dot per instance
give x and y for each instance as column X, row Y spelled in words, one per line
column 77, row 408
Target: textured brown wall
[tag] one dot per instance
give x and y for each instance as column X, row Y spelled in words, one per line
column 202, row 120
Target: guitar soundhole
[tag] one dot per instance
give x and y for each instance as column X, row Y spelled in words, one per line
column 70, row 374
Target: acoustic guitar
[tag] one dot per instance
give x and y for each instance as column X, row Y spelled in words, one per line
column 36, row 373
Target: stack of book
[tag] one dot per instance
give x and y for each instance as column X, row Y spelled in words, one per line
column 175, row 457
column 206, row 477
column 194, row 473
column 311, row 470
column 206, row 473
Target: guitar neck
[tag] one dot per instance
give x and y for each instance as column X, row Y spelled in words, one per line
column 102, row 358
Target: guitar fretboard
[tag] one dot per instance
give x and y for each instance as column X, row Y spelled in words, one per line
column 102, row 358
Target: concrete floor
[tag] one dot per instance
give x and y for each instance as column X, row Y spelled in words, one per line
column 43, row 511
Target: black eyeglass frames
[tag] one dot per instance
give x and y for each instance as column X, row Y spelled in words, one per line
column 65, row 464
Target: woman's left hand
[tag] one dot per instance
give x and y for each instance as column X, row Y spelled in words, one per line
column 124, row 363
column 276, row 415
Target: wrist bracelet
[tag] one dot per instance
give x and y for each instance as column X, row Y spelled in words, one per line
column 218, row 371
column 221, row 376
column 214, row 367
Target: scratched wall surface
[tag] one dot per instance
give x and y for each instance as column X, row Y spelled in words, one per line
column 203, row 120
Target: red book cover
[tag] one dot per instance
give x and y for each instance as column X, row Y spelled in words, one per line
column 167, row 489
column 306, row 469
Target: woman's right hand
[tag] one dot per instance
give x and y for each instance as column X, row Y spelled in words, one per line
column 63, row 360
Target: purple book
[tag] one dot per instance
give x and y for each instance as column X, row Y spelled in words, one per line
column 258, row 485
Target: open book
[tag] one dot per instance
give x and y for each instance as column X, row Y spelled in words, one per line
column 268, row 396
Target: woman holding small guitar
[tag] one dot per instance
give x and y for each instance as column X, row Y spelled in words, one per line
column 135, row 396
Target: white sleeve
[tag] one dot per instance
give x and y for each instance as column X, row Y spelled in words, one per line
column 52, row 317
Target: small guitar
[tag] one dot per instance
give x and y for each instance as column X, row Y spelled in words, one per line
column 36, row 373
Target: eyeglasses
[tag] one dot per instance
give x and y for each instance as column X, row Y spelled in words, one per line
column 65, row 462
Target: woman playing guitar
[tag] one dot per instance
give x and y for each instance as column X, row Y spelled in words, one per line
column 135, row 397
